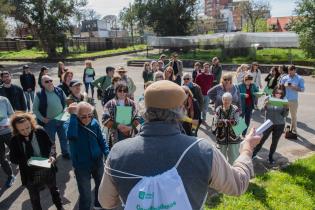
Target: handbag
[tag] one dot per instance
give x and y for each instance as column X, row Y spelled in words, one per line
column 289, row 134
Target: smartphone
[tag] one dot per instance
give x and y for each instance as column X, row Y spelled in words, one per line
column 289, row 84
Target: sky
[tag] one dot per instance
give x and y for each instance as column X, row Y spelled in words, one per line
column 113, row 7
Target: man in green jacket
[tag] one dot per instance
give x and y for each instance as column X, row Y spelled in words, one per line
column 104, row 82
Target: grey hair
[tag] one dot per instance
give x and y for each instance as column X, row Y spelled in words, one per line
column 227, row 95
column 158, row 74
column 166, row 115
column 45, row 77
column 84, row 104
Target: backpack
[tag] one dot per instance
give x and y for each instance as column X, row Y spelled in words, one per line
column 163, row 191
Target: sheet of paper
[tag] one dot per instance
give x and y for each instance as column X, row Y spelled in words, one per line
column 63, row 116
column 239, row 127
column 264, row 127
column 123, row 115
column 39, row 162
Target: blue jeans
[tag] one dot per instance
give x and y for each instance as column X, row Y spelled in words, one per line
column 83, row 177
column 206, row 101
column 87, row 85
column 29, row 96
column 247, row 115
column 56, row 126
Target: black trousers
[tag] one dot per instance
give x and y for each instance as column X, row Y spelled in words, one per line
column 5, row 140
column 34, row 192
column 276, row 131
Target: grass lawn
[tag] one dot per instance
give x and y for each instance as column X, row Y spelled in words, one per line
column 291, row 188
column 36, row 54
column 23, row 54
column 267, row 55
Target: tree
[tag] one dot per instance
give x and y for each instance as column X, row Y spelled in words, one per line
column 5, row 9
column 304, row 25
column 140, row 11
column 128, row 19
column 254, row 10
column 91, row 14
column 48, row 19
column 260, row 26
column 172, row 17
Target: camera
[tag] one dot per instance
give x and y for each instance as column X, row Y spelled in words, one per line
column 289, row 84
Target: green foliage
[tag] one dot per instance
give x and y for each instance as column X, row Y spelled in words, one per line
column 261, row 26
column 170, row 18
column 49, row 19
column 291, row 188
column 166, row 18
column 304, row 25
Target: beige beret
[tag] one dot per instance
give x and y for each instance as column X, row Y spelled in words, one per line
column 164, row 94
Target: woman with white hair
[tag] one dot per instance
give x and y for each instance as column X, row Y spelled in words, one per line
column 157, row 76
column 227, row 116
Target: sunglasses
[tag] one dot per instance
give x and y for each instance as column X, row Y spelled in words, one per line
column 48, row 81
column 227, row 79
column 123, row 91
column 83, row 117
column 186, row 78
column 278, row 93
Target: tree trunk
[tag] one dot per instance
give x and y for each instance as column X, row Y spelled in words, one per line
column 131, row 30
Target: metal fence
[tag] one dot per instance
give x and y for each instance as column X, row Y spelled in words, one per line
column 75, row 44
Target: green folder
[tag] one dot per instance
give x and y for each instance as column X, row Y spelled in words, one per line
column 123, row 115
column 277, row 102
column 239, row 127
column 259, row 94
column 63, row 116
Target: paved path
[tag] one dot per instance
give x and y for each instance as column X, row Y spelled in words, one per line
column 16, row 197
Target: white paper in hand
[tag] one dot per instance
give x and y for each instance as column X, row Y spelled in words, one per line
column 39, row 162
column 264, row 127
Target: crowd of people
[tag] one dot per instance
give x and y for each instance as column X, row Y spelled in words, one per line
column 157, row 127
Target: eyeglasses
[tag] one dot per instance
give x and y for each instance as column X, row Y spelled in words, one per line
column 83, row 117
column 278, row 93
column 48, row 81
column 123, row 91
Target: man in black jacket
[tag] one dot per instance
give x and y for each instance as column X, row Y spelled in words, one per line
column 13, row 92
column 28, row 83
